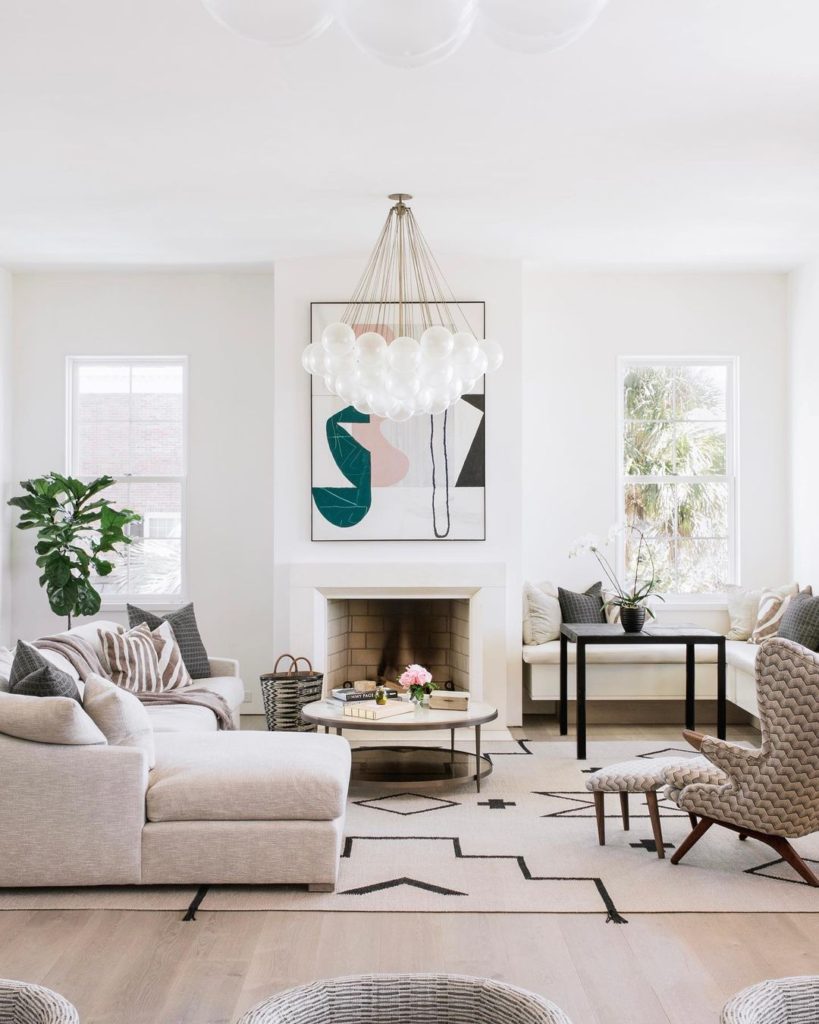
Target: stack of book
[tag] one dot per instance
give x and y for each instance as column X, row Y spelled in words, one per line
column 449, row 700
column 372, row 712
column 350, row 696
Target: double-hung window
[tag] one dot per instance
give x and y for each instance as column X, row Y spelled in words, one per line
column 127, row 419
column 677, row 479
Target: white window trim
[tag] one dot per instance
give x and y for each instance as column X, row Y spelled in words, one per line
column 117, row 602
column 731, row 476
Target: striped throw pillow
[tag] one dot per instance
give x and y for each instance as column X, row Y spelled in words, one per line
column 132, row 660
column 172, row 672
column 772, row 606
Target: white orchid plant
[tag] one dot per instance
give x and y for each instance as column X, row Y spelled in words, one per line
column 638, row 591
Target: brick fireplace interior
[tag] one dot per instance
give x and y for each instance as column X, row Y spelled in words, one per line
column 376, row 638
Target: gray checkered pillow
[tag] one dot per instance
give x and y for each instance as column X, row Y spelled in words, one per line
column 183, row 623
column 800, row 622
column 586, row 607
column 32, row 675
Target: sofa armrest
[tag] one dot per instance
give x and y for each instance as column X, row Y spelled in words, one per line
column 72, row 815
column 223, row 667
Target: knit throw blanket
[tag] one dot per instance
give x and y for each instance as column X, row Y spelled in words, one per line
column 86, row 662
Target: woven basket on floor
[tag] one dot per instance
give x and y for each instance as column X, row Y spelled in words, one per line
column 285, row 693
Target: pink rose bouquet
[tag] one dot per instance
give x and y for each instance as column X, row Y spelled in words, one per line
column 417, row 680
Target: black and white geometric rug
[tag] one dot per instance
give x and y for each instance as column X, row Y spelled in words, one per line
column 526, row 844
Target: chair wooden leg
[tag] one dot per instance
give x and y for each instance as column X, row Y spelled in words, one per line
column 692, row 838
column 693, row 819
column 656, row 827
column 743, row 836
column 624, row 810
column 790, row 856
column 600, row 813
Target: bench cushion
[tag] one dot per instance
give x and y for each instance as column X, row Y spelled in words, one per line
column 248, row 776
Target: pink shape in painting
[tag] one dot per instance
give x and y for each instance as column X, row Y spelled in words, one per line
column 388, row 465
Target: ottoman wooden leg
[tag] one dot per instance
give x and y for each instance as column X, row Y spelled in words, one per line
column 656, row 827
column 624, row 810
column 693, row 819
column 600, row 813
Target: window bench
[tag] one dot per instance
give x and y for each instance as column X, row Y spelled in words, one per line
column 617, row 672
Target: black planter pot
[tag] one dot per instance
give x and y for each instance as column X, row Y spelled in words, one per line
column 632, row 619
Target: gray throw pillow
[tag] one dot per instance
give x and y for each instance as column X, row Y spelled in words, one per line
column 800, row 622
column 586, row 607
column 32, row 675
column 183, row 623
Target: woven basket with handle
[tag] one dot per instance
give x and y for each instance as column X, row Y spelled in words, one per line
column 286, row 692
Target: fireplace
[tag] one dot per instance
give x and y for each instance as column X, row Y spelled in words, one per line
column 377, row 638
column 353, row 620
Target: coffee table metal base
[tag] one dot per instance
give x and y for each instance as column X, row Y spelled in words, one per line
column 427, row 766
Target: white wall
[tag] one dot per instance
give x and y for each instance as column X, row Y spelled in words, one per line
column 6, row 394
column 498, row 282
column 575, row 327
column 804, row 421
column 224, row 323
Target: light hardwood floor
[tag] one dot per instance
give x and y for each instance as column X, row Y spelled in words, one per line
column 123, row 967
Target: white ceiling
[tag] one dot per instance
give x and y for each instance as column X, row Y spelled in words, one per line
column 675, row 133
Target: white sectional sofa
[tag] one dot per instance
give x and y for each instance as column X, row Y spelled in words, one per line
column 627, row 673
column 217, row 807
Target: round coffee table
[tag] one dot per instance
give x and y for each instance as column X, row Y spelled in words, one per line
column 400, row 765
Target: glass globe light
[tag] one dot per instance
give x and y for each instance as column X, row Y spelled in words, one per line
column 494, row 354
column 436, row 343
column 277, row 22
column 371, row 349
column 538, row 26
column 407, row 34
column 312, row 358
column 338, row 339
column 404, row 354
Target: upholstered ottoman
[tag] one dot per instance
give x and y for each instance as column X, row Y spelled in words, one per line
column 779, row 1001
column 408, row 998
column 641, row 775
column 23, row 1003
column 246, row 808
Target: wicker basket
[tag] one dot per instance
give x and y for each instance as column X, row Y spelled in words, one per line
column 286, row 693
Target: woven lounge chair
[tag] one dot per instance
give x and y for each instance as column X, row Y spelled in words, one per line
column 408, row 999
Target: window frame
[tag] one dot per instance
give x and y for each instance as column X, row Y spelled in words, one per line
column 730, row 477
column 117, row 602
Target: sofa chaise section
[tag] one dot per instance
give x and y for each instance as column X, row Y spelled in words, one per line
column 249, row 807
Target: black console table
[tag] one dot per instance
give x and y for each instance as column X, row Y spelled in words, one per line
column 585, row 633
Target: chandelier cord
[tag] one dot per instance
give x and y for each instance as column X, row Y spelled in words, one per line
column 438, row 534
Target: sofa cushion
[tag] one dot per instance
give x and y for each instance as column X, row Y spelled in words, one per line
column 119, row 715
column 772, row 605
column 742, row 655
column 230, row 687
column 248, row 776
column 743, row 609
column 186, row 631
column 90, row 632
column 47, row 720
column 173, row 674
column 36, row 676
column 181, row 718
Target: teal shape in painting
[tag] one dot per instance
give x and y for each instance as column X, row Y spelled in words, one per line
column 346, row 506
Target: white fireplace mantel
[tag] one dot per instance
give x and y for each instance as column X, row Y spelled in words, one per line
column 483, row 584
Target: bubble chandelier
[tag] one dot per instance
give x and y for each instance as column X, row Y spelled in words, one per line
column 412, row 33
column 403, row 346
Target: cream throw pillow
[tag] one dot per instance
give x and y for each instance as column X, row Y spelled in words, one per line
column 541, row 615
column 47, row 720
column 743, row 611
column 119, row 715
column 772, row 605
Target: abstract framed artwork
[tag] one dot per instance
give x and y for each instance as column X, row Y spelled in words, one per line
column 376, row 480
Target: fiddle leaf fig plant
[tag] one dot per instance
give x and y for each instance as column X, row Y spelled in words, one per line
column 75, row 528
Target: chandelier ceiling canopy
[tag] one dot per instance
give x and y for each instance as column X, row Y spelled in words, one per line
column 403, row 346
column 409, row 33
